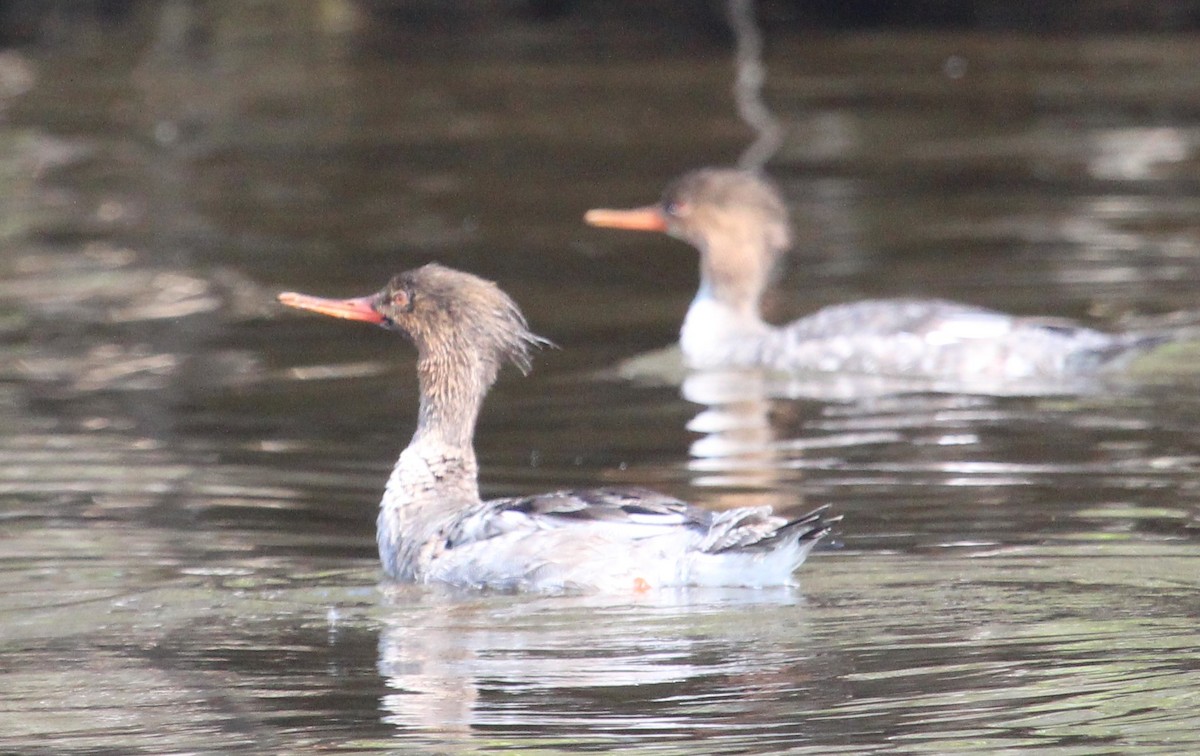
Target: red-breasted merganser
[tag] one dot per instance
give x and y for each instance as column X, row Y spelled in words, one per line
column 738, row 222
column 434, row 528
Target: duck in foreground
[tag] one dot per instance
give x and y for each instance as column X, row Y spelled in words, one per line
column 739, row 224
column 434, row 528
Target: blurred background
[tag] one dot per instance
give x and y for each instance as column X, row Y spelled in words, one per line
column 189, row 475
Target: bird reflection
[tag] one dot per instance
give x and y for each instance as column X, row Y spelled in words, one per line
column 747, row 87
column 737, row 449
column 455, row 661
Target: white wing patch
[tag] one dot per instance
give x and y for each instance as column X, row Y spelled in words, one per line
column 970, row 325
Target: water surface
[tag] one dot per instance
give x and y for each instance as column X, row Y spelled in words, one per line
column 190, row 474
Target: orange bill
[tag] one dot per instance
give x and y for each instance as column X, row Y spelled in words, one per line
column 351, row 309
column 649, row 218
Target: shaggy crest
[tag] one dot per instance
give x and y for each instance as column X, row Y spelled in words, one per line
column 443, row 310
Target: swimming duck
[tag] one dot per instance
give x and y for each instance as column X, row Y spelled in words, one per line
column 738, row 222
column 433, row 527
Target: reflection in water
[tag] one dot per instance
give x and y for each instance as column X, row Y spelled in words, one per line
column 737, row 450
column 461, row 664
column 744, row 450
column 1134, row 154
column 750, row 73
column 941, row 652
column 738, row 418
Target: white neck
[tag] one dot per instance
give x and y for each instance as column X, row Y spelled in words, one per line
column 717, row 335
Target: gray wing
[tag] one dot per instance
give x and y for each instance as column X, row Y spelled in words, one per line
column 895, row 317
column 639, row 511
column 939, row 338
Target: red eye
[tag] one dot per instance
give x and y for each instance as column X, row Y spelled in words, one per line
column 401, row 300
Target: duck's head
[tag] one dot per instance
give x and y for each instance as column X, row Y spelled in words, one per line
column 452, row 317
column 735, row 218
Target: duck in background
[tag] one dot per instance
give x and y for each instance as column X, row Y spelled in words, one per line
column 738, row 222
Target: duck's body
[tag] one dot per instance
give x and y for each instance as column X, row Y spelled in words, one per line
column 609, row 539
column 902, row 337
column 739, row 224
column 433, row 526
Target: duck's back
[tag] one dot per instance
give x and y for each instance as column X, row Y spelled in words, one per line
column 938, row 339
column 619, row 539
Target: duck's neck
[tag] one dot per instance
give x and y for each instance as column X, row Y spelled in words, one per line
column 452, row 386
column 723, row 326
column 436, row 477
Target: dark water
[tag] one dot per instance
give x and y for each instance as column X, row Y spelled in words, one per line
column 189, row 474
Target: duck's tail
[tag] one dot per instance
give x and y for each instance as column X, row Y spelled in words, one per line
column 811, row 527
column 1162, row 348
column 753, row 547
column 752, row 529
column 1168, row 342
